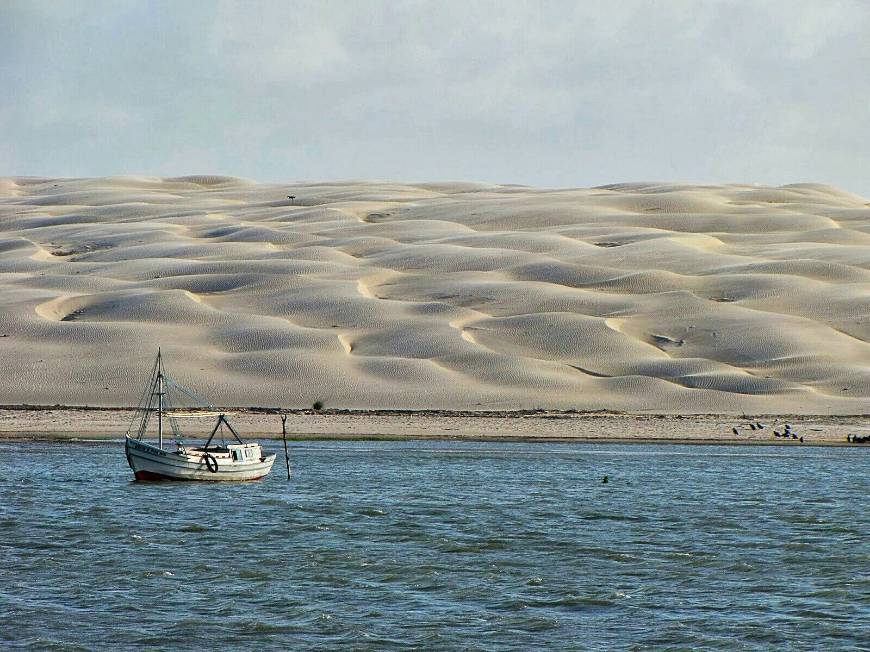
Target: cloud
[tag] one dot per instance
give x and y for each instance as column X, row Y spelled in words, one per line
column 555, row 93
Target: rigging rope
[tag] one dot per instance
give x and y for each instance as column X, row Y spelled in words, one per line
column 167, row 407
column 139, row 405
column 189, row 393
column 146, row 406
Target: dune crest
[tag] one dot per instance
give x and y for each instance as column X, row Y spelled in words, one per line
column 636, row 296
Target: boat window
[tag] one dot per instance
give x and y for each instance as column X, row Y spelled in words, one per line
column 236, row 455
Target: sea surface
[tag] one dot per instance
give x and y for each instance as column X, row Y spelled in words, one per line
column 391, row 545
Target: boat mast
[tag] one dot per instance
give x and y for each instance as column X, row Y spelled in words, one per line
column 159, row 399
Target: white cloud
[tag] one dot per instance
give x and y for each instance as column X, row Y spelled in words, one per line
column 550, row 93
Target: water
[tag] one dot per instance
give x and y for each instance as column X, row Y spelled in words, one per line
column 441, row 546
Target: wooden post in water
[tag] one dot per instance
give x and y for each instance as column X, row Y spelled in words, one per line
column 284, row 436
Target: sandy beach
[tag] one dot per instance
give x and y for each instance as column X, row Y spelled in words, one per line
column 53, row 424
column 638, row 298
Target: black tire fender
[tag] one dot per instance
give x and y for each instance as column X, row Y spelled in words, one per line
column 210, row 462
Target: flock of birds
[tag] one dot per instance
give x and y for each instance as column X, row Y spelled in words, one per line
column 787, row 432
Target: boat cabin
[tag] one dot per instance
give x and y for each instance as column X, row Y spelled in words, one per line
column 245, row 452
column 229, row 453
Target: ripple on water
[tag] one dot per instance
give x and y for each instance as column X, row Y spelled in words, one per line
column 440, row 546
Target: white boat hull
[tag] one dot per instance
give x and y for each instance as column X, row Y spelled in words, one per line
column 152, row 463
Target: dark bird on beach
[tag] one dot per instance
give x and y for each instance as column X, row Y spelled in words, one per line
column 734, row 430
column 760, row 426
column 849, row 438
column 793, row 436
column 752, row 426
column 291, row 197
column 787, row 427
column 775, row 433
column 802, row 439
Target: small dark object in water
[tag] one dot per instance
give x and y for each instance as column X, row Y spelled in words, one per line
column 604, row 480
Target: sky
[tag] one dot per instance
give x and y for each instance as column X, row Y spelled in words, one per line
column 546, row 93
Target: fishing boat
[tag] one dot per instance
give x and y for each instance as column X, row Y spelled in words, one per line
column 213, row 461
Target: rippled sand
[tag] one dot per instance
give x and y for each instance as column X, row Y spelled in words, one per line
column 628, row 297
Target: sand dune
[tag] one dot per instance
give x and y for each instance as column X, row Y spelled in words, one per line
column 638, row 297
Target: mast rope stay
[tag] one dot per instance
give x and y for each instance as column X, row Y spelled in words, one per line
column 158, row 399
column 143, row 404
column 189, row 393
